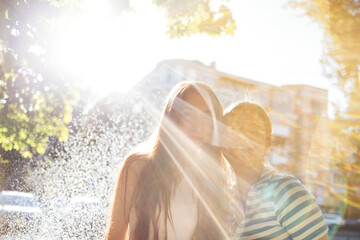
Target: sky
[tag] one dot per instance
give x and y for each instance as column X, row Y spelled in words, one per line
column 273, row 43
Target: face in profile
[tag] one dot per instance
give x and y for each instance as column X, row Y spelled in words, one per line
column 195, row 120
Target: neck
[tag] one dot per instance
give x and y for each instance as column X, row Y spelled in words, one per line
column 247, row 174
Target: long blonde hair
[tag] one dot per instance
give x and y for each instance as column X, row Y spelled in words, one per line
column 162, row 174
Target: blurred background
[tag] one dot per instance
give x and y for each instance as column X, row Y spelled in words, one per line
column 83, row 82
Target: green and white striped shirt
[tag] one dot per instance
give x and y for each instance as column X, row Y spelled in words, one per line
column 279, row 207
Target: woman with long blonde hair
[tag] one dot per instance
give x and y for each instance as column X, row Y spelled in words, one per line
column 177, row 190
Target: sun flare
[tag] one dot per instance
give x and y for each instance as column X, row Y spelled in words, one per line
column 95, row 48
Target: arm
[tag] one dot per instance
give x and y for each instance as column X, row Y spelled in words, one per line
column 325, row 237
column 123, row 198
column 298, row 212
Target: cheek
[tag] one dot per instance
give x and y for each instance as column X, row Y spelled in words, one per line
column 184, row 127
column 207, row 129
column 208, row 124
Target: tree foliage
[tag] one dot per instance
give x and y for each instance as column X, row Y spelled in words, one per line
column 35, row 100
column 191, row 17
column 341, row 23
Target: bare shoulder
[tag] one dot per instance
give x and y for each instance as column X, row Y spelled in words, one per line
column 133, row 166
column 136, row 162
column 125, row 187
